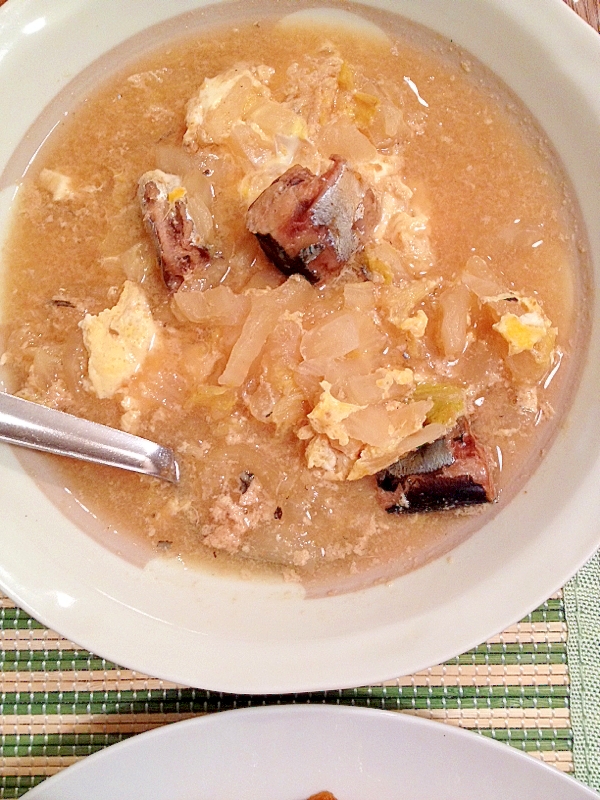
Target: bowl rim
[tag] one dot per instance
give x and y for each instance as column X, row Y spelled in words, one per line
column 347, row 750
column 289, row 644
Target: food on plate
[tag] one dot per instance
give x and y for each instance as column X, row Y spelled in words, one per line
column 338, row 275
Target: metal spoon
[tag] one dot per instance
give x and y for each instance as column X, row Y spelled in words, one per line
column 31, row 425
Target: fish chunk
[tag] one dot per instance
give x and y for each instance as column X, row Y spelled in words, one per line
column 313, row 225
column 178, row 245
column 449, row 473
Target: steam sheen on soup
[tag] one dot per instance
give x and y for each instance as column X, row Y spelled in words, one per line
column 337, row 274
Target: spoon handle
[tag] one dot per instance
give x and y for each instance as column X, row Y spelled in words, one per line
column 32, row 425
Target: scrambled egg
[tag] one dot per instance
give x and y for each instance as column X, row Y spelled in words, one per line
column 132, row 415
column 60, row 186
column 210, row 96
column 523, row 332
column 320, row 453
column 329, row 413
column 118, row 340
column 236, row 106
column 415, row 324
column 400, row 377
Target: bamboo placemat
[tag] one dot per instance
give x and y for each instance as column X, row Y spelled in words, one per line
column 582, row 610
column 59, row 703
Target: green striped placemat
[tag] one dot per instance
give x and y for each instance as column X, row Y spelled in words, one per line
column 59, row 703
column 582, row 606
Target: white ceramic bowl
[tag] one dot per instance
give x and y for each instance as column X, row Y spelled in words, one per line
column 290, row 752
column 230, row 635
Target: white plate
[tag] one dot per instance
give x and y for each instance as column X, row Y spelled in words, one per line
column 238, row 636
column 291, row 752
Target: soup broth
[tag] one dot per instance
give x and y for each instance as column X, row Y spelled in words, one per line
column 450, row 297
